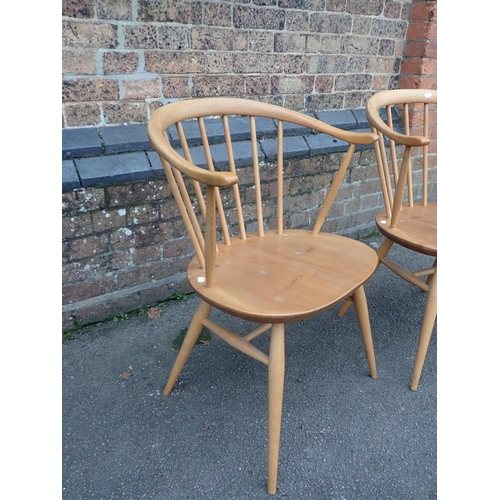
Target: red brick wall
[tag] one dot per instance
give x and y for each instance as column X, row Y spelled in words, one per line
column 419, row 68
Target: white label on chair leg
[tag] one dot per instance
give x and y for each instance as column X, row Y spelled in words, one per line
column 383, row 222
column 201, row 279
column 427, row 95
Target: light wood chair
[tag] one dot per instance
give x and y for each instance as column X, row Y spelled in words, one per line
column 407, row 169
column 270, row 276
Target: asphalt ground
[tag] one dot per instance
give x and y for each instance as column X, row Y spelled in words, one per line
column 344, row 435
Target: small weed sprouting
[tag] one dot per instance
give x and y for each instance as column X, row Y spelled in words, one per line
column 68, row 335
column 122, row 317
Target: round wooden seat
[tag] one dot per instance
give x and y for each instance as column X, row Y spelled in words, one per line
column 416, row 229
column 284, row 278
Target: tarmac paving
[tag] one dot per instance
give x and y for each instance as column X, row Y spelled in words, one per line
column 344, row 435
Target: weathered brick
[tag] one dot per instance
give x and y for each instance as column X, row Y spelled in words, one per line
column 124, row 112
column 109, row 219
column 257, row 63
column 421, row 49
column 143, row 214
column 93, row 268
column 323, row 83
column 82, row 200
column 140, row 37
column 174, row 38
column 313, row 43
column 79, row 62
column 85, row 89
column 120, row 62
column 355, row 99
column 387, row 48
column 256, row 17
column 76, row 225
column 176, row 86
column 218, row 39
column 289, row 42
column 349, row 82
column 361, row 25
column 219, row 62
column 82, row 114
column 148, row 234
column 359, row 45
column 356, row 64
column 297, row 21
column 294, row 63
column 392, row 9
column 173, row 11
column 87, row 246
column 417, row 82
column 144, row 274
column 83, row 9
column 419, row 67
column 260, row 41
column 330, row 44
column 114, row 9
column 135, row 89
column 138, row 193
column 325, row 22
column 327, row 64
column 204, row 86
column 293, row 85
column 178, row 247
column 424, row 11
column 365, row 7
column 388, row 28
column 335, row 5
column 257, row 85
column 146, row 255
column 217, row 14
column 89, row 35
column 76, row 292
column 380, row 65
column 164, row 62
column 422, row 31
column 317, row 102
column 301, row 4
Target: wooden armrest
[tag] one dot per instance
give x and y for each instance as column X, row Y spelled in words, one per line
column 386, row 98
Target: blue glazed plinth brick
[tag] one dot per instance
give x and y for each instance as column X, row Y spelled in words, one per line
column 321, row 144
column 70, row 179
column 113, row 169
column 293, row 147
column 125, row 138
column 81, row 142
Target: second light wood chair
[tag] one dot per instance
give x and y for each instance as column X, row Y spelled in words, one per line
column 407, row 163
column 260, row 271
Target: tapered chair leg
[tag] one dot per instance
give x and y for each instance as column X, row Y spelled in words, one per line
column 276, row 371
column 190, row 339
column 361, row 307
column 381, row 253
column 425, row 332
